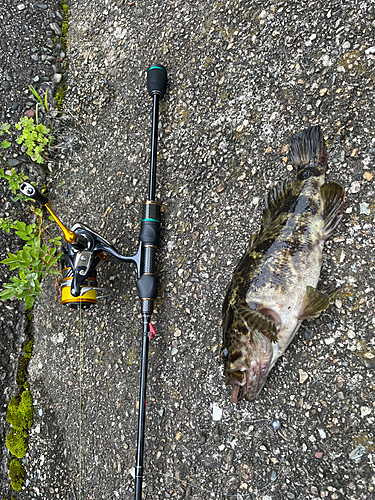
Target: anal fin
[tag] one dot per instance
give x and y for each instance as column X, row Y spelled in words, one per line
column 315, row 302
column 332, row 195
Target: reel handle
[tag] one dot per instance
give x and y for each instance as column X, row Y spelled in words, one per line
column 156, row 80
column 31, row 192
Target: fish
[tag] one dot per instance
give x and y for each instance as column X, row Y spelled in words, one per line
column 274, row 285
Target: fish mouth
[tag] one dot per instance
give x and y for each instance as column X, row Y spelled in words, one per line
column 249, row 374
column 248, row 364
column 250, row 381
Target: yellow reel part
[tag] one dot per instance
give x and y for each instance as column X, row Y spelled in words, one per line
column 88, row 297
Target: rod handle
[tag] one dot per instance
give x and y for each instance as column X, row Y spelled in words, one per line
column 156, row 80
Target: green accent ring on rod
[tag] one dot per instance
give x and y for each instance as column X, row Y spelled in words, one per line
column 153, row 220
column 155, row 67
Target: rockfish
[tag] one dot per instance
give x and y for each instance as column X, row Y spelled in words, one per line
column 274, row 286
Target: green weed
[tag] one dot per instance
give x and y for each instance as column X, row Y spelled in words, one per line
column 34, row 137
column 34, row 261
column 44, row 102
column 37, row 258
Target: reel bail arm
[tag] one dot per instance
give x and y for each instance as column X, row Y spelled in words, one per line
column 31, row 192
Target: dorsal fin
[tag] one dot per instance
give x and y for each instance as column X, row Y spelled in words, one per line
column 255, row 320
column 275, row 199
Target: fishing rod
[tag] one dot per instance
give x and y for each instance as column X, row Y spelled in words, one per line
column 85, row 249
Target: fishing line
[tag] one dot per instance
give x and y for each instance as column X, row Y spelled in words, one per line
column 80, row 404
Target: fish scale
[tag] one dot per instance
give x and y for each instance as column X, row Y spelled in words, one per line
column 273, row 288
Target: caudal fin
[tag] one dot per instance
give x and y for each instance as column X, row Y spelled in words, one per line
column 308, row 150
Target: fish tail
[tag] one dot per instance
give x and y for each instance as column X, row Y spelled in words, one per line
column 309, row 152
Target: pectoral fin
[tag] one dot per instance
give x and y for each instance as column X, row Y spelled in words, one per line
column 332, row 195
column 314, row 303
column 255, row 320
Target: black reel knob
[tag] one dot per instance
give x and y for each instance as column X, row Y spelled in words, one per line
column 31, row 192
column 156, row 80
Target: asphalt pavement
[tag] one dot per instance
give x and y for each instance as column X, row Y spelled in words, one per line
column 244, row 76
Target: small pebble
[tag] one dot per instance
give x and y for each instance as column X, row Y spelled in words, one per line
column 364, row 208
column 13, row 162
column 303, row 376
column 365, row 411
column 357, row 453
column 217, row 413
column 355, row 187
column 275, row 424
column 322, row 433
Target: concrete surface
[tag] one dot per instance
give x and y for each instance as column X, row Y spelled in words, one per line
column 243, row 77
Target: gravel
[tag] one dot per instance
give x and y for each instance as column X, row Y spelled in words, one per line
column 243, row 78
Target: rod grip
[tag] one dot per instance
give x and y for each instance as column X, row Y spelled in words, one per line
column 150, row 225
column 156, row 80
column 31, row 192
column 147, row 284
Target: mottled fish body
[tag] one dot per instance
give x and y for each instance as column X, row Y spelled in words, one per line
column 274, row 286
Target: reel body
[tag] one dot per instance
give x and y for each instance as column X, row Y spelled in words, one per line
column 79, row 285
column 88, row 288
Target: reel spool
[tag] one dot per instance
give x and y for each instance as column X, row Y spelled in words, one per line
column 87, row 295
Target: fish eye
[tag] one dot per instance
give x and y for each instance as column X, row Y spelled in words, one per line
column 237, row 376
column 224, row 353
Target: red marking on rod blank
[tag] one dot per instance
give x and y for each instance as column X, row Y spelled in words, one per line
column 151, row 333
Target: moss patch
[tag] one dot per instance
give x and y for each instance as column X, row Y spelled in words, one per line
column 60, row 92
column 20, row 411
column 16, row 443
column 65, row 24
column 16, row 474
column 23, row 362
column 20, row 414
